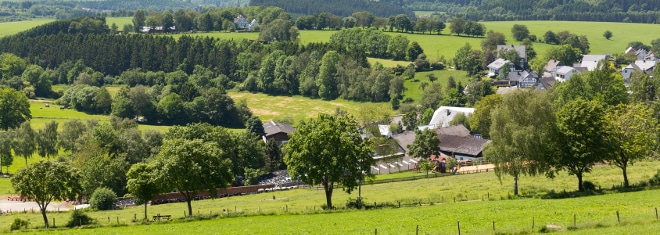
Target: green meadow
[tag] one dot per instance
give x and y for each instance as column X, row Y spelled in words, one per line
column 480, row 199
column 9, row 28
column 297, row 107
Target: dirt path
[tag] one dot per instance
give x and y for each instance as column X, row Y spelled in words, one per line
column 13, row 206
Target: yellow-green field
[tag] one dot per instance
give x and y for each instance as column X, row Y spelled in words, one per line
column 298, row 107
column 9, row 28
column 480, row 200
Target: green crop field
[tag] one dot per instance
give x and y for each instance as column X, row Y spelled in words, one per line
column 480, row 200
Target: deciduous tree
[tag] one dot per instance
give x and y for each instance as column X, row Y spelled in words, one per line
column 192, row 166
column 582, row 137
column 24, row 141
column 6, row 158
column 426, row 143
column 481, row 120
column 329, row 150
column 521, row 130
column 142, row 184
column 14, row 108
column 56, row 182
column 520, row 32
column 47, row 140
column 631, row 129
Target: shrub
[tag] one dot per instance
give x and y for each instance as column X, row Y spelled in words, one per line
column 19, row 223
column 588, row 186
column 79, row 218
column 655, row 180
column 353, row 203
column 103, row 199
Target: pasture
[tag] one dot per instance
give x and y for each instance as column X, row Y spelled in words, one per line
column 297, row 107
column 446, row 45
column 480, row 200
column 9, row 28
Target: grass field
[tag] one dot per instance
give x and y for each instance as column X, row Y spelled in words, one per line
column 9, row 28
column 412, row 86
column 297, row 107
column 439, row 213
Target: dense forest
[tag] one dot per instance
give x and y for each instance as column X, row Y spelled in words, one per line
column 639, row 11
column 383, row 8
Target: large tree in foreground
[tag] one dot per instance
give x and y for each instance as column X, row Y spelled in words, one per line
column 47, row 181
column 582, row 137
column 191, row 167
column 632, row 131
column 14, row 108
column 328, row 150
column 521, row 129
column 142, row 184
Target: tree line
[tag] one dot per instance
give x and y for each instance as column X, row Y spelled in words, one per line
column 341, row 7
column 197, row 69
column 590, row 118
column 605, row 11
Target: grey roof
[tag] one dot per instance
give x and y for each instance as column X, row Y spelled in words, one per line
column 645, row 65
column 519, row 48
column 404, row 139
column 565, row 69
column 547, row 82
column 552, row 65
column 497, row 64
column 457, row 130
column 505, row 90
column 455, row 141
column 271, row 128
column 519, row 76
column 591, row 61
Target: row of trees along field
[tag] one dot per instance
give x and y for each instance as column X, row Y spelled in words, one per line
column 190, row 66
column 97, row 156
column 589, row 119
column 116, row 158
column 25, row 10
column 638, row 11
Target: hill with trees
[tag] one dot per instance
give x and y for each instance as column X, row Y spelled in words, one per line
column 638, row 11
column 383, row 8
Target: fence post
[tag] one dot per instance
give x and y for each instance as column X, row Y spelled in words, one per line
column 108, row 219
column 458, row 223
column 117, row 219
column 618, row 219
column 493, row 225
column 656, row 213
column 54, row 223
column 417, row 230
column 134, row 217
column 287, row 208
column 574, row 220
column 532, row 222
column 375, row 231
